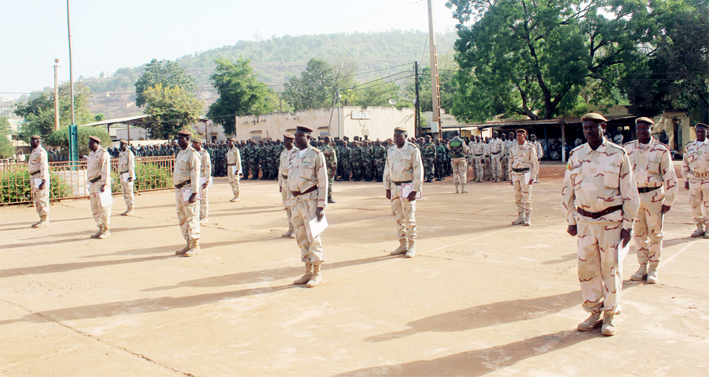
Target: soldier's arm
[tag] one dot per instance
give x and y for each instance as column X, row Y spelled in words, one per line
column 386, row 178
column 535, row 163
column 629, row 193
column 685, row 165
column 669, row 176
column 238, row 161
column 567, row 197
column 105, row 168
column 207, row 166
column 417, row 164
column 195, row 162
column 44, row 165
column 131, row 164
column 321, row 173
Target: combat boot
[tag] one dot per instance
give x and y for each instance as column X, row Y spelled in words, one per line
column 652, row 273
column 316, row 278
column 184, row 250
column 331, row 200
column 194, row 249
column 402, row 247
column 593, row 321
column 640, row 273
column 97, row 234
column 43, row 222
column 520, row 219
column 527, row 220
column 456, row 189
column 462, row 188
column 204, row 221
column 411, row 252
column 105, row 233
column 699, row 232
column 608, row 328
column 307, row 276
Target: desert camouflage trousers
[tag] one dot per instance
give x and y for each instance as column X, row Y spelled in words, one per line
column 504, row 174
column 404, row 213
column 102, row 215
column 128, row 194
column 188, row 217
column 460, row 170
column 234, row 181
column 699, row 200
column 204, row 203
column 40, row 198
column 302, row 211
column 523, row 193
column 648, row 227
column 599, row 274
column 478, row 167
column 496, row 166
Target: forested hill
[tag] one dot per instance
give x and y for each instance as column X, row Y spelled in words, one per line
column 278, row 59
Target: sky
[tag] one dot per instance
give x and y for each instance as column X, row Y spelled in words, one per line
column 110, row 34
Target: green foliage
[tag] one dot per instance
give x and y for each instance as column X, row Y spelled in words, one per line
column 6, row 148
column 170, row 110
column 446, row 72
column 99, row 117
column 529, row 58
column 166, row 73
column 148, row 176
column 60, row 138
column 314, row 89
column 375, row 94
column 16, row 186
column 240, row 93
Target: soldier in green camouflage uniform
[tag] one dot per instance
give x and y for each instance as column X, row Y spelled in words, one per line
column 356, row 161
column 380, row 155
column 367, row 161
column 428, row 154
column 331, row 164
column 440, row 160
column 345, row 160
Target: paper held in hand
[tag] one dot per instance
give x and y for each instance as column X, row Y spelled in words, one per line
column 125, row 176
column 204, row 179
column 235, row 171
column 527, row 177
column 406, row 189
column 315, row 228
column 187, row 192
column 38, row 181
column 105, row 197
column 622, row 251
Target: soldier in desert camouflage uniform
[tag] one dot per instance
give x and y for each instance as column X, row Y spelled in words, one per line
column 695, row 172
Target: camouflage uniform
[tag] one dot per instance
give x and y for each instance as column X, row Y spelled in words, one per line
column 459, row 166
column 331, row 164
column 98, row 168
column 478, row 153
column 345, row 161
column 379, row 160
column 695, row 170
column 356, row 162
column 429, row 161
column 439, row 169
column 126, row 164
column 522, row 161
column 38, row 166
column 205, row 173
column 233, row 162
column 367, row 162
column 186, row 178
column 497, row 150
column 285, row 161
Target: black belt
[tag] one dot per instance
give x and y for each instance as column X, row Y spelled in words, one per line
column 595, row 215
column 284, row 176
column 123, row 172
column 94, row 180
column 478, row 154
column 230, row 164
column 643, row 190
column 520, row 170
column 183, row 184
column 298, row 193
column 495, row 152
column 399, row 183
column 35, row 173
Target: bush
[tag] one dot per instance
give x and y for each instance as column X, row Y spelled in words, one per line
column 16, row 186
column 148, row 176
column 60, row 138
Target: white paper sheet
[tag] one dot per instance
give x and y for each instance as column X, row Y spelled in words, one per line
column 105, row 197
column 406, row 189
column 235, row 170
column 125, row 176
column 187, row 192
column 527, row 176
column 204, row 179
column 315, row 227
column 37, row 182
column 622, row 251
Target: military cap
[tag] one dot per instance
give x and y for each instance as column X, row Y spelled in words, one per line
column 184, row 133
column 95, row 138
column 288, row 135
column 644, row 120
column 231, row 139
column 595, row 117
column 521, row 131
column 197, row 140
column 400, row 129
column 36, row 137
column 124, row 142
column 305, row 129
column 701, row 125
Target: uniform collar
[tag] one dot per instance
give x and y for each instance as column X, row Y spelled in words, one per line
column 649, row 143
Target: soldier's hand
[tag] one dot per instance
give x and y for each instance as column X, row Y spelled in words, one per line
column 193, row 197
column 319, row 214
column 531, row 181
column 388, row 194
column 511, row 183
column 625, row 235
column 204, row 186
column 280, row 189
column 686, row 185
column 41, row 186
column 665, row 208
column 412, row 196
column 572, row 230
column 103, row 188
column 130, row 179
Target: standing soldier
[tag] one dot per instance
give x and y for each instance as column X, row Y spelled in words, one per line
column 478, row 153
column 379, row 159
column 522, row 168
column 403, row 168
column 263, row 159
column 245, row 152
column 600, row 201
column 38, row 166
column 126, row 169
column 233, row 165
column 459, row 165
column 307, row 181
column 695, row 172
column 356, row 160
column 98, row 169
column 505, row 157
column 540, row 154
column 205, row 174
column 652, row 168
column 429, row 159
column 439, row 169
column 345, row 161
column 331, row 163
column 186, row 179
column 367, row 161
column 286, row 159
column 497, row 149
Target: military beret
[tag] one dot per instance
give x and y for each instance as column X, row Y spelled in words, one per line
column 701, row 125
column 184, row 133
column 95, row 138
column 230, row 139
column 521, row 131
column 644, row 120
column 124, row 142
column 288, row 135
column 594, row 116
column 400, row 129
column 36, row 137
column 305, row 129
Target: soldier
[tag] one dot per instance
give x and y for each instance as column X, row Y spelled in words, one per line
column 255, row 158
column 478, row 153
column 540, row 153
column 439, row 168
column 345, row 161
column 233, row 162
column 379, row 159
column 356, row 161
column 458, row 150
column 652, row 167
column 600, row 201
column 38, row 167
column 307, row 181
column 522, row 168
column 505, row 157
column 403, row 170
column 186, row 179
column 263, row 159
column 98, row 169
column 286, row 159
column 367, row 161
column 245, row 153
column 428, row 153
column 331, row 164
column 695, row 172
column 497, row 149
column 205, row 175
column 126, row 169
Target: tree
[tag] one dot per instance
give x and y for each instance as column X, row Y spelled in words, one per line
column 318, row 84
column 167, row 73
column 240, row 93
column 374, row 94
column 6, row 148
column 170, row 110
column 60, row 138
column 533, row 58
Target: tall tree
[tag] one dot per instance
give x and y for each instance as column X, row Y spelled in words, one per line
column 38, row 111
column 533, row 58
column 6, row 148
column 317, row 85
column 170, row 110
column 167, row 73
column 240, row 93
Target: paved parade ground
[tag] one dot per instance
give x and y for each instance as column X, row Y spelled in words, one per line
column 482, row 297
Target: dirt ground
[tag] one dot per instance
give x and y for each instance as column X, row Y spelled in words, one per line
column 481, row 298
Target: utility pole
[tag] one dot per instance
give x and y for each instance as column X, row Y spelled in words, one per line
column 435, row 85
column 417, row 116
column 339, row 125
column 56, row 96
column 73, row 132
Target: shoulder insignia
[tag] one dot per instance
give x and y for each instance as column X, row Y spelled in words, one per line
column 317, row 150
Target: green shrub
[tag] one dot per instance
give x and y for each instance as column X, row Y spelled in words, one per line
column 148, row 176
column 16, row 186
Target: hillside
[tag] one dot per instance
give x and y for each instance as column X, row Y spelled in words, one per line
column 278, row 59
